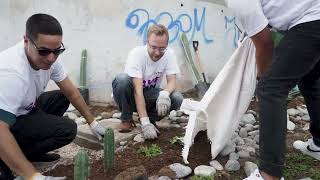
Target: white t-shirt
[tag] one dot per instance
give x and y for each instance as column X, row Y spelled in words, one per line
column 140, row 65
column 255, row 15
column 20, row 84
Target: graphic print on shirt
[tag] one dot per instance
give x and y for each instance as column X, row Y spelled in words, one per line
column 152, row 82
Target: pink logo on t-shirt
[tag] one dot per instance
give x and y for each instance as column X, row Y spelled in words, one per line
column 30, row 106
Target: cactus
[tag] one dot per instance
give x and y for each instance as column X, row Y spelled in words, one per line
column 81, row 166
column 83, row 83
column 108, row 149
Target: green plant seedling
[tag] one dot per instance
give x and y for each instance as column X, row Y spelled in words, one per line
column 152, row 151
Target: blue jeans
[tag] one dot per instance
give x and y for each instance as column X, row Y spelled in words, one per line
column 296, row 60
column 123, row 94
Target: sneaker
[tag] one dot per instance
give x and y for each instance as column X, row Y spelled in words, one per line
column 308, row 148
column 255, row 175
column 48, row 157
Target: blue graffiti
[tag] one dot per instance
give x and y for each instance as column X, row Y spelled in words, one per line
column 232, row 28
column 175, row 26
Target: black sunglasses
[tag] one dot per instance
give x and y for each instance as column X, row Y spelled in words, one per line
column 46, row 51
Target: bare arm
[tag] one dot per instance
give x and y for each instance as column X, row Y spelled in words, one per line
column 138, row 97
column 75, row 98
column 264, row 48
column 171, row 83
column 12, row 155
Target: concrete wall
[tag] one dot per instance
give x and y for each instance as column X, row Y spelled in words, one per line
column 108, row 29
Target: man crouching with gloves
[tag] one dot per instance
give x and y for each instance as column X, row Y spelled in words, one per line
column 138, row 88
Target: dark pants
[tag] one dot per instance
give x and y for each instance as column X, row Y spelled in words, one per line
column 44, row 129
column 122, row 87
column 296, row 60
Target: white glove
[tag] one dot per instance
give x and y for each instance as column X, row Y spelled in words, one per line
column 163, row 103
column 38, row 176
column 149, row 131
column 97, row 129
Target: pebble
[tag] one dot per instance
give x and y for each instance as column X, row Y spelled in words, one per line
column 204, row 170
column 232, row 165
column 180, row 170
column 216, row 165
column 249, row 167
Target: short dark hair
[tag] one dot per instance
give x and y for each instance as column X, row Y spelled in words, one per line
column 42, row 24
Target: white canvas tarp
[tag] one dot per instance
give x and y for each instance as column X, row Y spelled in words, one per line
column 227, row 99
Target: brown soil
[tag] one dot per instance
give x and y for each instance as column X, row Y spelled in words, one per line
column 171, row 153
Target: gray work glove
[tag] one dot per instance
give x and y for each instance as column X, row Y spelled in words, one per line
column 149, row 131
column 38, row 176
column 97, row 129
column 163, row 103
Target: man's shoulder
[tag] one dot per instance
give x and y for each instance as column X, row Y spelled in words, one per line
column 13, row 60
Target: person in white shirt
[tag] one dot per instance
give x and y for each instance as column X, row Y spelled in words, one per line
column 31, row 122
column 296, row 60
column 138, row 88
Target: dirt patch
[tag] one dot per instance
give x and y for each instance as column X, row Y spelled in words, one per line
column 171, row 153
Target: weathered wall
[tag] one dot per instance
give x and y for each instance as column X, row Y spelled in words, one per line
column 108, row 29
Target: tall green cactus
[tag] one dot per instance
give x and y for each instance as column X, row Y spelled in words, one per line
column 109, row 149
column 81, row 166
column 83, row 72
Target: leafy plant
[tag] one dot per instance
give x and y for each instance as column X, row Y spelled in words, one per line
column 202, row 178
column 176, row 140
column 152, row 151
column 299, row 165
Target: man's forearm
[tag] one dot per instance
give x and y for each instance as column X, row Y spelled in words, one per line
column 78, row 102
column 12, row 155
column 140, row 105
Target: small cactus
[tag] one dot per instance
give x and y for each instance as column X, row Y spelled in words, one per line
column 81, row 166
column 83, row 70
column 108, row 149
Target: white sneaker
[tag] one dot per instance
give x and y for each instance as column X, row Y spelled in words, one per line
column 255, row 175
column 308, row 148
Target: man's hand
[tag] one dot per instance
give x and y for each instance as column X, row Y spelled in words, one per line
column 38, row 176
column 163, row 103
column 149, row 131
column 97, row 129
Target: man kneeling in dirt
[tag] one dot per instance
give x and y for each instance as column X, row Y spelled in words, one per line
column 31, row 122
column 138, row 88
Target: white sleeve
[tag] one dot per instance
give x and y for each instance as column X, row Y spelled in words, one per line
column 12, row 92
column 172, row 66
column 58, row 73
column 134, row 65
column 250, row 15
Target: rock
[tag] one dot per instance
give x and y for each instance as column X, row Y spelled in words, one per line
column 249, row 167
column 248, row 119
column 71, row 115
column 306, row 127
column 98, row 118
column 248, row 127
column 123, row 143
column 307, row 178
column 204, row 170
column 233, row 156
column 249, row 142
column 292, row 112
column 135, row 118
column 183, row 119
column 256, row 126
column 80, row 120
column 256, row 139
column 243, row 133
column 290, row 125
column 252, row 112
column 241, row 124
column 216, row 165
column 305, row 118
column 138, row 172
column 253, row 133
column 243, row 154
column 138, row 138
column 229, row 148
column 239, row 141
column 106, row 115
column 71, row 108
column 232, row 165
column 303, row 110
column 116, row 115
column 179, row 113
column 173, row 114
column 163, row 178
column 180, row 170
